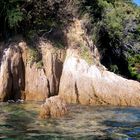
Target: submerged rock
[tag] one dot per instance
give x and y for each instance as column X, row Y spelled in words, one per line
column 88, row 84
column 53, row 107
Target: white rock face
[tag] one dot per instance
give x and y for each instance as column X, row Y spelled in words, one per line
column 81, row 83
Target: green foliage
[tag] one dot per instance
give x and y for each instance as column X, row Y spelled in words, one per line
column 39, row 64
column 14, row 16
column 116, row 32
column 134, row 66
column 33, row 55
column 21, row 16
column 58, row 45
column 114, row 68
column 85, row 54
column 10, row 12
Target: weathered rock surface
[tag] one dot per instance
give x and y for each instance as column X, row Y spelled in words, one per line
column 53, row 64
column 20, row 78
column 79, row 82
column 43, row 82
column 12, row 81
column 36, row 84
column 77, row 38
column 53, row 107
column 85, row 84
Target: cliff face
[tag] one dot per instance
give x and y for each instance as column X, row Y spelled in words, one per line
column 77, row 76
column 88, row 84
column 12, row 80
column 21, row 79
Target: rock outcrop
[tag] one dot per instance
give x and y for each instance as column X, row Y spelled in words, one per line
column 43, row 82
column 22, row 79
column 76, row 81
column 12, row 81
column 36, row 84
column 53, row 59
column 88, row 84
column 53, row 107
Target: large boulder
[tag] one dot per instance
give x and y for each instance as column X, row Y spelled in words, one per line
column 88, row 84
column 53, row 107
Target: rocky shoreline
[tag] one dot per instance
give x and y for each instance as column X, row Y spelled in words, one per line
column 64, row 72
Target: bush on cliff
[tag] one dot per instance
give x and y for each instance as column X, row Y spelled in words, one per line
column 116, row 33
column 114, row 25
column 36, row 16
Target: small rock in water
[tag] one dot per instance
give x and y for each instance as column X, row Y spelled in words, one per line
column 19, row 101
column 11, row 101
column 53, row 107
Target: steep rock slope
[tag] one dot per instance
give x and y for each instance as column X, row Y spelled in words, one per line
column 43, row 82
column 53, row 59
column 88, row 84
column 36, row 84
column 21, row 79
column 12, row 81
column 81, row 79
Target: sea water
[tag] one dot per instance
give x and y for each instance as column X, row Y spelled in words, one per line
column 22, row 122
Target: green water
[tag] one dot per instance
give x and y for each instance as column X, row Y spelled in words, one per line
column 21, row 122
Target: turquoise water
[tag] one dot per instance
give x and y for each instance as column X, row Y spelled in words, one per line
column 21, row 122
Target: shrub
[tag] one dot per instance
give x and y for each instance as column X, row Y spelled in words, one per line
column 85, row 54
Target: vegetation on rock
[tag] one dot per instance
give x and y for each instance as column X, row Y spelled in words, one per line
column 113, row 24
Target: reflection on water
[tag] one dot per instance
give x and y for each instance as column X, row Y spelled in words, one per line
column 21, row 122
